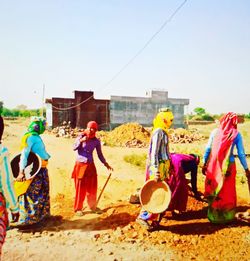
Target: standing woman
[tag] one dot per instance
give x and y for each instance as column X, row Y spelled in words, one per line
column 84, row 172
column 158, row 160
column 34, row 204
column 7, row 193
column 220, row 169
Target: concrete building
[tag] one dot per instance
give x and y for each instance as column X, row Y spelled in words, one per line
column 114, row 112
column 125, row 109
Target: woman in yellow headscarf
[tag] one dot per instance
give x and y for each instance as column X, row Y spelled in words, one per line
column 158, row 161
column 158, row 158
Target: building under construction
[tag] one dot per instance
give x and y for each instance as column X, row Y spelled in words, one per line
column 114, row 112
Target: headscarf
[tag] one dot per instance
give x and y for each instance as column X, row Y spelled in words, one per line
column 163, row 119
column 226, row 133
column 90, row 125
column 93, row 125
column 223, row 140
column 37, row 126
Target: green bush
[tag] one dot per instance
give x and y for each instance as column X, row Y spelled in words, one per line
column 136, row 160
column 207, row 117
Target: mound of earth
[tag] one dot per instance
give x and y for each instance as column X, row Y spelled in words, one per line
column 126, row 135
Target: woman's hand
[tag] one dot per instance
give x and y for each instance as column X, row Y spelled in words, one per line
column 204, row 169
column 247, row 173
column 15, row 216
column 108, row 166
column 157, row 177
column 21, row 176
column 83, row 139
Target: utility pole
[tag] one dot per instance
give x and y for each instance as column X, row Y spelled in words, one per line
column 43, row 100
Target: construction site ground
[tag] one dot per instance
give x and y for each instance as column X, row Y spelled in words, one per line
column 114, row 234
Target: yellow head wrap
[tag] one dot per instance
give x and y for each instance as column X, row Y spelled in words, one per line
column 163, row 119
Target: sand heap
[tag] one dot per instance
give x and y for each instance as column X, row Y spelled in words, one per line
column 126, row 135
column 135, row 135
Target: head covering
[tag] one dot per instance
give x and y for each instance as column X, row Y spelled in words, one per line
column 226, row 133
column 90, row 134
column 1, row 127
column 93, row 125
column 37, row 126
column 163, row 119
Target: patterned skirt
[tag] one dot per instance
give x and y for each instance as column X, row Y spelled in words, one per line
column 35, row 203
column 3, row 221
column 222, row 205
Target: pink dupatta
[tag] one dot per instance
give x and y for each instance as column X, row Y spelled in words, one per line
column 223, row 140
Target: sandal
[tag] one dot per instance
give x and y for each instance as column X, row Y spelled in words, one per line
column 155, row 225
column 97, row 211
column 143, row 222
column 79, row 213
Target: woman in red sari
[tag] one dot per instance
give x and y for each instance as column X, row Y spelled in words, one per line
column 220, row 169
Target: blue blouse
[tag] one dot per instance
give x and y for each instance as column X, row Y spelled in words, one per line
column 36, row 145
column 238, row 142
column 7, row 181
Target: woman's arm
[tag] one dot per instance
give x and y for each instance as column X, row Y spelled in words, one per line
column 154, row 154
column 77, row 143
column 6, row 178
column 241, row 151
column 100, row 155
column 208, row 151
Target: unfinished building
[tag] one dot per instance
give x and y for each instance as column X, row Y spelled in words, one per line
column 114, row 112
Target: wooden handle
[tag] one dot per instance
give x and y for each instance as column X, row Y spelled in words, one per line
column 103, row 189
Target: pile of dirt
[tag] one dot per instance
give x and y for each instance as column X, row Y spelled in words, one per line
column 126, row 135
column 133, row 135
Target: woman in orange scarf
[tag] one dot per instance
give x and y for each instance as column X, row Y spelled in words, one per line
column 220, row 169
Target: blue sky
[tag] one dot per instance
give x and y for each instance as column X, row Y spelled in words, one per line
column 202, row 54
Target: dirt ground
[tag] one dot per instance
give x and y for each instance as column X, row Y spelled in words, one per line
column 114, row 234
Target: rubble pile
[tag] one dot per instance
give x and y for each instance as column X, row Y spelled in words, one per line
column 131, row 135
column 181, row 135
column 127, row 135
column 65, row 130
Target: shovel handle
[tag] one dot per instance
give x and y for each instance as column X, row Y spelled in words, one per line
column 248, row 182
column 103, row 189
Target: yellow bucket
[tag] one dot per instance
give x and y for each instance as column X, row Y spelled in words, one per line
column 21, row 186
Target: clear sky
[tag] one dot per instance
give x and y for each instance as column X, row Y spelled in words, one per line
column 202, row 54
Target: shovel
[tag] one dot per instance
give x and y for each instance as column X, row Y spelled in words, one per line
column 248, row 182
column 98, row 199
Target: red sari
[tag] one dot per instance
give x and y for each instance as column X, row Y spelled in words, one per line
column 85, row 178
column 220, row 182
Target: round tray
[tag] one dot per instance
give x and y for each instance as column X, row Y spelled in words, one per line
column 155, row 196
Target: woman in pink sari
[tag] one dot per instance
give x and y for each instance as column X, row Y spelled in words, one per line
column 182, row 164
column 220, row 169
